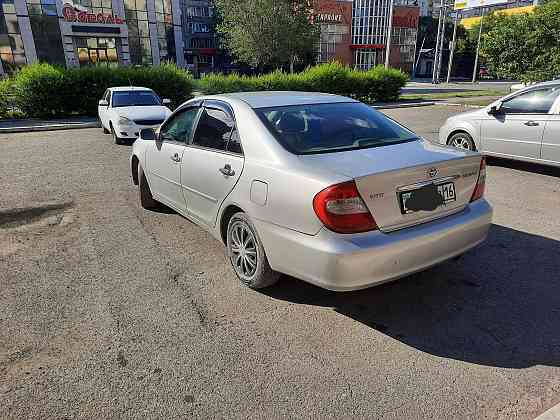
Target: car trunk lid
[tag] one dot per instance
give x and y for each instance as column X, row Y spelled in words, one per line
column 383, row 174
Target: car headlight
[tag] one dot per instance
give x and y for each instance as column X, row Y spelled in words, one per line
column 123, row 121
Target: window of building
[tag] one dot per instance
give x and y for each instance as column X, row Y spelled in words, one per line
column 365, row 59
column 370, row 21
column 12, row 52
column 96, row 6
column 204, row 59
column 201, row 43
column 166, row 33
column 331, row 35
column 97, row 51
column 198, row 27
column 199, row 11
column 136, row 14
column 43, row 18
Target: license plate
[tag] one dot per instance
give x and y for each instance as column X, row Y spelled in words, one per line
column 427, row 198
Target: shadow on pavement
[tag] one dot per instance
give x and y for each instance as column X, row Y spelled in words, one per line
column 524, row 166
column 497, row 306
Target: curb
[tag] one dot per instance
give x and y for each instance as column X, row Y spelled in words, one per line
column 49, row 127
column 459, row 104
column 551, row 414
column 404, row 105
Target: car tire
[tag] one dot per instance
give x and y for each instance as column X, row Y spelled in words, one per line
column 462, row 140
column 246, row 254
column 116, row 139
column 146, row 199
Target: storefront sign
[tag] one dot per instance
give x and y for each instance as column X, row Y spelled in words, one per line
column 333, row 12
column 72, row 14
column 469, row 4
column 406, row 21
column 328, row 18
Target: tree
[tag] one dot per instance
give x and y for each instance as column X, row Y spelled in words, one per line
column 267, row 32
column 524, row 46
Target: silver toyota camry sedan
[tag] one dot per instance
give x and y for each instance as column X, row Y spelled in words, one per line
column 317, row 186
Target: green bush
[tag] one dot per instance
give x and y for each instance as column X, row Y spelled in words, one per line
column 43, row 90
column 377, row 84
column 6, row 92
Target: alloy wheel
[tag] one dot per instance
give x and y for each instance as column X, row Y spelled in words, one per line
column 243, row 249
column 461, row 142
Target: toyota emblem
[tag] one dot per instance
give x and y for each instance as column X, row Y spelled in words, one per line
column 433, row 172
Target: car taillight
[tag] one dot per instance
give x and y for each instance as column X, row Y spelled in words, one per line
column 481, row 183
column 342, row 210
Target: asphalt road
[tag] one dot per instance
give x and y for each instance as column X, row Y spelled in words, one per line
column 110, row 311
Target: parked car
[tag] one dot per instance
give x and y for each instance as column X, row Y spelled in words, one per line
column 524, row 125
column 484, row 73
column 317, row 186
column 124, row 111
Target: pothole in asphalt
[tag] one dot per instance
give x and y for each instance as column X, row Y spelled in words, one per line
column 50, row 214
column 18, row 226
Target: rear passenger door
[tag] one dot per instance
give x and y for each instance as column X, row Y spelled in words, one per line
column 212, row 162
column 551, row 138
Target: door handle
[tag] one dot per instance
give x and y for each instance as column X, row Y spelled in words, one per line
column 532, row 124
column 176, row 158
column 227, row 171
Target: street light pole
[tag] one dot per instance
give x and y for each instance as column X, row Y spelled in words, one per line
column 450, row 65
column 390, row 30
column 442, row 39
column 475, row 70
column 436, row 53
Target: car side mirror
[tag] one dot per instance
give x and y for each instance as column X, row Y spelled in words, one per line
column 166, row 102
column 103, row 102
column 495, row 110
column 148, row 134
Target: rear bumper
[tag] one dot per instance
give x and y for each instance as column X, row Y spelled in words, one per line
column 351, row 262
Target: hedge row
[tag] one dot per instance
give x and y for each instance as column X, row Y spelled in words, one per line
column 43, row 90
column 377, row 84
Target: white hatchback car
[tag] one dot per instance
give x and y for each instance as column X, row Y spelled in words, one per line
column 124, row 111
column 318, row 186
column 524, row 125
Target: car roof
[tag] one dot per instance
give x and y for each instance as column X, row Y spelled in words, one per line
column 287, row 98
column 128, row 88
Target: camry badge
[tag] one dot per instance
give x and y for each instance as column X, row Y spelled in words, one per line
column 433, row 172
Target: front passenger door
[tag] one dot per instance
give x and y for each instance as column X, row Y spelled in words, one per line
column 212, row 164
column 164, row 157
column 103, row 110
column 517, row 130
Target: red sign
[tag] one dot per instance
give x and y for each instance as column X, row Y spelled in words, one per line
column 71, row 14
column 406, row 17
column 367, row 46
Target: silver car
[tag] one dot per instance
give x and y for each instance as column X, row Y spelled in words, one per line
column 317, row 186
column 524, row 126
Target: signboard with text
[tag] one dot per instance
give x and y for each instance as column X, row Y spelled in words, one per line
column 72, row 13
column 471, row 4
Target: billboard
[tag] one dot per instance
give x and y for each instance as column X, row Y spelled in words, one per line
column 471, row 4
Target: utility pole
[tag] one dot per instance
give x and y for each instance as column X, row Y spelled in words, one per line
column 442, row 39
column 452, row 52
column 436, row 54
column 389, row 35
column 415, row 66
column 475, row 70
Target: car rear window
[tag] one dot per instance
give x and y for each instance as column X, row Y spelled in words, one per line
column 327, row 128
